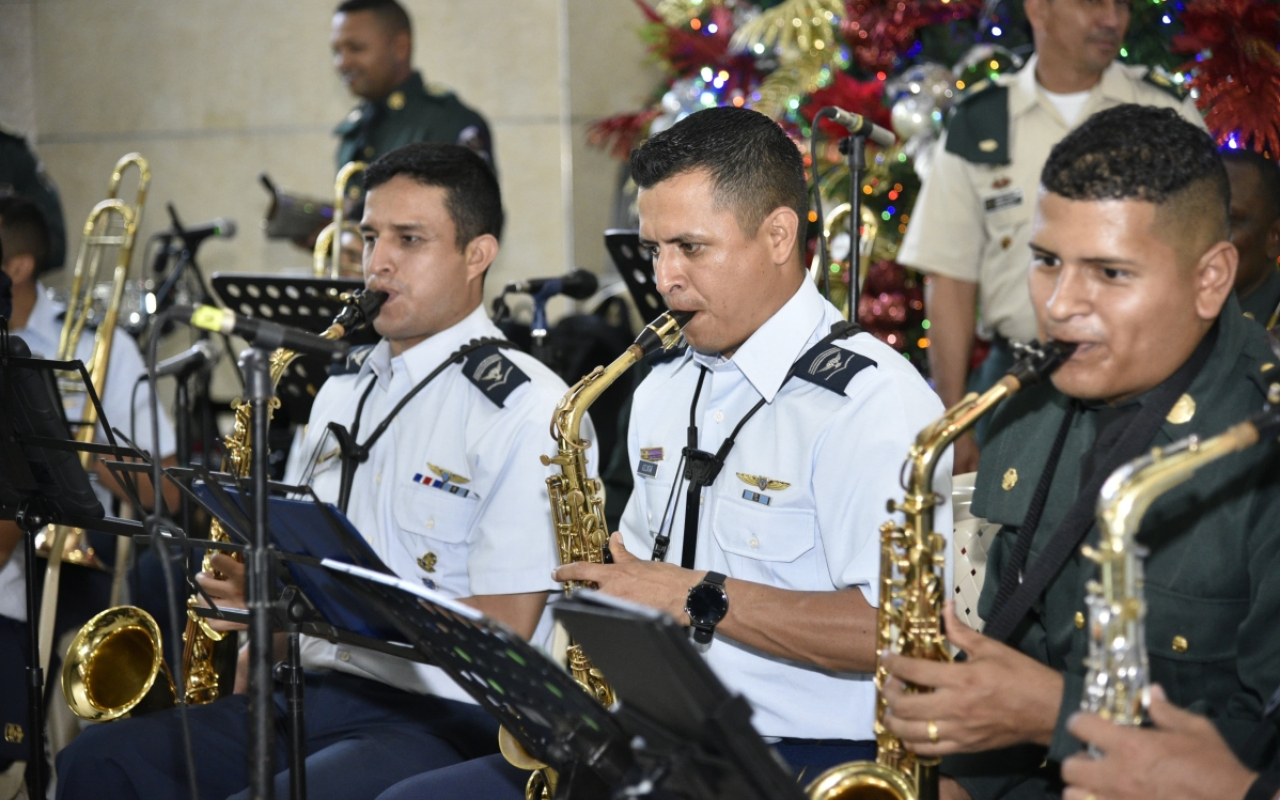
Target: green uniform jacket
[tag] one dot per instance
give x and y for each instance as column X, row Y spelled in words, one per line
column 410, row 113
column 1212, row 576
column 22, row 173
column 1264, row 302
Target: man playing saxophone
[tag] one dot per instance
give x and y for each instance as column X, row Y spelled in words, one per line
column 443, row 480
column 1130, row 259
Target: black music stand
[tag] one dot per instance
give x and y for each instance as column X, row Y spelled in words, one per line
column 539, row 703
column 684, row 724
column 309, row 304
column 636, row 268
column 42, row 482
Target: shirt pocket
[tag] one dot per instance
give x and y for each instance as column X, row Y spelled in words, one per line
column 433, row 513
column 1191, row 644
column 765, row 544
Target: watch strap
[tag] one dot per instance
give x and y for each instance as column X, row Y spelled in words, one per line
column 714, row 578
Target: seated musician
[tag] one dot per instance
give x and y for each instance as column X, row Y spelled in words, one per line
column 452, row 494
column 786, row 533
column 1130, row 258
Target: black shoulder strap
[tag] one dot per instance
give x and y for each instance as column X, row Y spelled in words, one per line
column 979, row 128
column 830, row 366
column 492, row 372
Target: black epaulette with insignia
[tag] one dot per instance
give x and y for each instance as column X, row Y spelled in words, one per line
column 979, row 128
column 355, row 360
column 1161, row 81
column 493, row 373
column 831, row 366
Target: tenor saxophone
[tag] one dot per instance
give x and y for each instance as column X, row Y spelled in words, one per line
column 577, row 508
column 115, row 665
column 912, row 573
column 1117, row 680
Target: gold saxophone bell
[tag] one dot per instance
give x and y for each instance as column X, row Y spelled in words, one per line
column 115, row 667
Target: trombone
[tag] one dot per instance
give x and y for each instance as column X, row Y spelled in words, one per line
column 112, row 223
column 328, row 245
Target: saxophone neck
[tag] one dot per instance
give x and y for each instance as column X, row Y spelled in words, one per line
column 573, row 406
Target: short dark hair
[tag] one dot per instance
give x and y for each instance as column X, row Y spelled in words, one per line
column 1268, row 173
column 24, row 230
column 754, row 167
column 388, row 12
column 472, row 196
column 1133, row 152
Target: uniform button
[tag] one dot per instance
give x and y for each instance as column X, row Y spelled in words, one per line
column 377, row 478
column 719, row 416
column 1179, row 644
column 1005, row 242
column 1080, row 619
column 431, row 523
column 755, row 543
column 344, row 655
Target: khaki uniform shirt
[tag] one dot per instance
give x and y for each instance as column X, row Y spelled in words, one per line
column 1212, row 575
column 972, row 221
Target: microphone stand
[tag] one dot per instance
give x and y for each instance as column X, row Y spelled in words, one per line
column 255, row 363
column 538, row 328
column 854, row 149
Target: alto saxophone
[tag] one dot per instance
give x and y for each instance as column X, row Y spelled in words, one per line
column 577, row 507
column 912, row 573
column 1117, row 681
column 115, row 665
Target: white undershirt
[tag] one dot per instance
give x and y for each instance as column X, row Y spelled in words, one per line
column 1069, row 105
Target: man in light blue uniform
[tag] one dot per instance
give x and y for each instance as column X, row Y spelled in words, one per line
column 763, row 456
column 451, row 493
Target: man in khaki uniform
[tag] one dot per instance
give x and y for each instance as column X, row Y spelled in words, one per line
column 971, row 225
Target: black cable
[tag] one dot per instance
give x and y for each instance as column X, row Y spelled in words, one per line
column 153, row 524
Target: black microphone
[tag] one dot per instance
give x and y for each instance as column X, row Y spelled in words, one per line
column 859, row 125
column 191, row 237
column 269, row 335
column 579, row 284
column 203, row 353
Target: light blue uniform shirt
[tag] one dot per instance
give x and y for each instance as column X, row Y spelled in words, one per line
column 840, row 456
column 487, row 530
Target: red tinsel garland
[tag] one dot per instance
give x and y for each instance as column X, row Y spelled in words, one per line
column 879, row 31
column 1237, row 71
column 845, row 91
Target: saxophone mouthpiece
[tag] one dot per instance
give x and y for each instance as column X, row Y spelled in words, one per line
column 361, row 308
column 1037, row 362
column 664, row 332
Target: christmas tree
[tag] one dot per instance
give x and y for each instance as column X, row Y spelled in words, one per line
column 904, row 64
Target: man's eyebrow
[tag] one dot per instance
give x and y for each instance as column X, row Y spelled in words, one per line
column 399, row 227
column 679, row 238
column 1091, row 260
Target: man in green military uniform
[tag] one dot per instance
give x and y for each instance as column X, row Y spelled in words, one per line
column 970, row 226
column 1255, row 231
column 372, row 43
column 22, row 173
column 1131, row 260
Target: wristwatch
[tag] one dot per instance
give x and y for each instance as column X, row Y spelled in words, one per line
column 706, row 605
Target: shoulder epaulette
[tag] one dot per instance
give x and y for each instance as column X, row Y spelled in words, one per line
column 350, row 122
column 979, row 128
column 1160, row 79
column 830, row 366
column 7, row 132
column 355, row 361
column 493, row 373
column 439, row 91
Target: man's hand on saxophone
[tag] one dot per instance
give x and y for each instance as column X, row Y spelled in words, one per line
column 226, row 592
column 996, row 698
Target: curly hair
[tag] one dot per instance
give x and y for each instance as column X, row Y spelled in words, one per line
column 754, row 167
column 1133, row 152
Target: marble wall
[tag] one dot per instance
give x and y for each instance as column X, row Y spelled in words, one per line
column 213, row 92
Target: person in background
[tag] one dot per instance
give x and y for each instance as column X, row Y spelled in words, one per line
column 1255, row 231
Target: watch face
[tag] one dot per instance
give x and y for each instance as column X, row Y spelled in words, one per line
column 707, row 604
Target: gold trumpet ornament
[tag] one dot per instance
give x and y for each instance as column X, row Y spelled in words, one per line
column 912, row 573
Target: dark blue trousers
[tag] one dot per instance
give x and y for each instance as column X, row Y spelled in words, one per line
column 362, row 737
column 494, row 779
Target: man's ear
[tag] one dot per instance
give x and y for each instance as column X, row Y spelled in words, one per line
column 21, row 268
column 402, row 44
column 480, row 253
column 1214, row 278
column 1273, row 240
column 1035, row 12
column 782, row 226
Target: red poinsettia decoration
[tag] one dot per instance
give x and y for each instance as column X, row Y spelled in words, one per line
column 1237, row 68
column 618, row 134
column 851, row 94
column 688, row 51
column 879, row 31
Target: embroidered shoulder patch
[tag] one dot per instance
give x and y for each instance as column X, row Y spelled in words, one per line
column 355, row 360
column 493, row 373
column 831, row 367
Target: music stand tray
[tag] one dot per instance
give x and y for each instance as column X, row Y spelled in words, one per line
column 670, row 700
column 534, row 698
column 309, row 304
